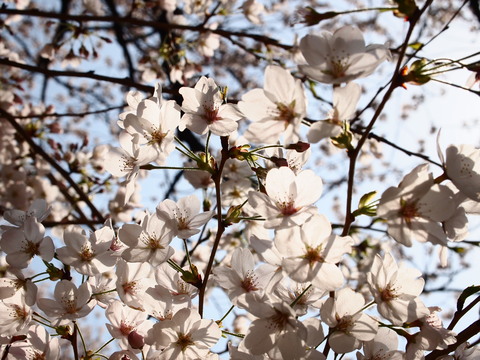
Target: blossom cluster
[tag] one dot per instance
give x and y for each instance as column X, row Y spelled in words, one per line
column 296, row 287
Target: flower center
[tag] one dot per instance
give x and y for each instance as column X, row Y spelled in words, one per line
column 286, row 113
column 130, row 287
column 388, row 293
column 287, row 208
column 210, row 114
column 344, row 323
column 338, row 67
column 125, row 328
column 156, row 137
column 31, row 248
column 278, row 321
column 86, row 253
column 408, row 210
column 69, row 304
column 184, row 341
column 250, row 282
column 151, row 241
column 313, row 255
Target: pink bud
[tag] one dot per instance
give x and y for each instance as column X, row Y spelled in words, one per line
column 135, row 340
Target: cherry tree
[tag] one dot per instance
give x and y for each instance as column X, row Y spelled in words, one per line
column 214, row 179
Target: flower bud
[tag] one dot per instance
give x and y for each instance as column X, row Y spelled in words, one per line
column 135, row 340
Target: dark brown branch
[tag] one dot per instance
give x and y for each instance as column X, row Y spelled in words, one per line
column 394, row 83
column 462, row 337
column 144, row 23
column 71, row 114
column 38, row 150
column 405, row 151
column 89, row 75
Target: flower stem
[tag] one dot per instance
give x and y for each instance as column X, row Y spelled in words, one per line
column 226, row 314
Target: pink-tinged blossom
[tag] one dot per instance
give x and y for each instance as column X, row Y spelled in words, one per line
column 275, row 110
column 71, row 303
column 205, row 111
column 416, row 208
column 432, row 335
column 186, row 336
column 38, row 209
column 382, row 347
column 276, row 331
column 126, row 160
column 101, row 285
column 183, row 217
column 252, row 10
column 240, row 279
column 289, row 199
column 147, row 242
column 22, row 244
column 155, row 123
column 345, row 101
column 15, row 315
column 303, row 294
column 171, row 289
column 340, row 57
column 464, row 352
column 133, row 280
column 89, row 255
column 463, row 168
column 123, row 320
column 396, row 290
column 349, row 325
column 310, row 253
column 39, row 345
column 14, row 281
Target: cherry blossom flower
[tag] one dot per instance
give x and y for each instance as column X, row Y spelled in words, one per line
column 350, row 326
column 240, row 279
column 310, row 253
column 14, row 281
column 464, row 351
column 71, row 303
column 432, row 336
column 185, row 336
column 275, row 110
column 133, row 280
column 15, row 315
column 38, row 209
column 345, row 101
column 463, row 168
column 252, row 10
column 101, row 285
column 183, row 217
column 276, row 332
column 147, row 242
column 124, row 320
column 396, row 290
column 382, row 347
column 205, row 111
column 88, row 255
column 155, row 123
column 21, row 245
column 171, row 289
column 39, row 345
column 416, row 208
column 340, row 57
column 208, row 42
column 303, row 294
column 126, row 160
column 289, row 199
